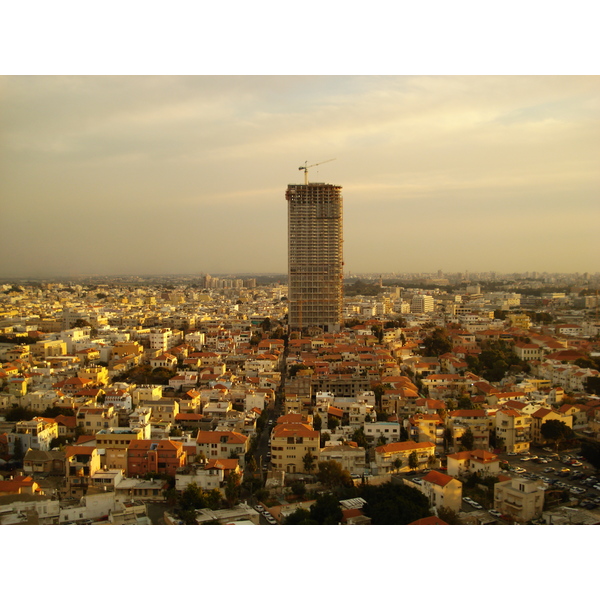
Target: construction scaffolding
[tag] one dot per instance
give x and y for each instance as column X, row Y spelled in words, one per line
column 315, row 262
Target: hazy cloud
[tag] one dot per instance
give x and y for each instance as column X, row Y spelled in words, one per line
column 188, row 174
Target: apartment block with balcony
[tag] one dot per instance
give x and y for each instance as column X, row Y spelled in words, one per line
column 81, row 464
column 386, row 456
column 513, row 430
column 520, row 498
column 290, row 442
column 442, row 491
column 154, row 456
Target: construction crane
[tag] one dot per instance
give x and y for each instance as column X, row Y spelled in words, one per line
column 306, row 167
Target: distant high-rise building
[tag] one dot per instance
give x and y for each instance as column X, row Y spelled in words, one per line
column 315, row 262
column 422, row 303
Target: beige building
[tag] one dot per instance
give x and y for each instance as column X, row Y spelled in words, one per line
column 386, row 456
column 513, row 430
column 443, row 491
column 222, row 444
column 82, row 462
column 463, row 464
column 290, row 442
column 37, row 433
column 543, row 415
column 92, row 418
column 351, row 456
column 477, row 420
column 520, row 498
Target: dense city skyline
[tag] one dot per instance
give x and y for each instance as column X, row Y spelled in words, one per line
column 113, row 175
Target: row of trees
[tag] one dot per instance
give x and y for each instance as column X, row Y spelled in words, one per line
column 387, row 504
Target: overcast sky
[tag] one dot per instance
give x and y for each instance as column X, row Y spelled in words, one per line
column 152, row 175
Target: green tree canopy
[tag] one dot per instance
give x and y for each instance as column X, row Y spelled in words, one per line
column 391, row 504
column 332, row 474
column 308, row 461
column 437, row 343
column 413, row 460
column 467, row 439
column 556, row 431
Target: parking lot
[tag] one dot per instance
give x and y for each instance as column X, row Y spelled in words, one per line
column 567, row 470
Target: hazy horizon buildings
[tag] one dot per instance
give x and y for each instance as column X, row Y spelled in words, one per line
column 315, row 256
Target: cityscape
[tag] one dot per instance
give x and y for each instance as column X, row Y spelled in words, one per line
column 301, row 398
column 430, row 355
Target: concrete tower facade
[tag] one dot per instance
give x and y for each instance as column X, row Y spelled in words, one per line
column 315, row 262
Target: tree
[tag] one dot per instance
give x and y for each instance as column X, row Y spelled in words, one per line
column 437, row 343
column 19, row 413
column 252, row 466
column 397, row 463
column 332, row 474
column 448, row 439
column 381, row 440
column 448, row 515
column 308, row 461
column 590, row 450
column 18, row 452
column 298, row 488
column 556, row 431
column 413, row 460
column 325, row 437
column 232, row 488
column 332, row 423
column 390, row 504
column 301, row 516
column 360, row 438
column 317, row 422
column 467, row 439
column 326, row 510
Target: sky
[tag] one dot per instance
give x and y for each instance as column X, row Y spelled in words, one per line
column 187, row 174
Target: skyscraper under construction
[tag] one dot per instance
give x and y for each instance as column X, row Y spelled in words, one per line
column 315, row 263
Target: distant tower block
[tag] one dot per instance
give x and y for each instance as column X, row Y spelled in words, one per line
column 315, row 256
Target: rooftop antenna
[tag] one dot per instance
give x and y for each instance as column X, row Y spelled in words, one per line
column 306, row 167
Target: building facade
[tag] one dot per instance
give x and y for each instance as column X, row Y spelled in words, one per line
column 315, row 256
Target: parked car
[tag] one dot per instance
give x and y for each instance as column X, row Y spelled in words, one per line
column 495, row 513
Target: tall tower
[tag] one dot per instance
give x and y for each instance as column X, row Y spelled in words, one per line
column 315, row 255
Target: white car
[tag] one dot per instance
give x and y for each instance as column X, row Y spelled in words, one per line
column 495, row 513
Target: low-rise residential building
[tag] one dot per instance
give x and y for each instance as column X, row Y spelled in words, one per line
column 463, row 464
column 222, row 444
column 542, row 416
column 81, row 464
column 459, row 421
column 290, row 443
column 93, row 418
column 442, row 491
column 520, row 498
column 210, row 475
column 513, row 430
column 387, row 455
column 38, row 433
column 44, row 462
column 154, row 456
column 390, row 430
column 351, row 456
column 427, row 428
